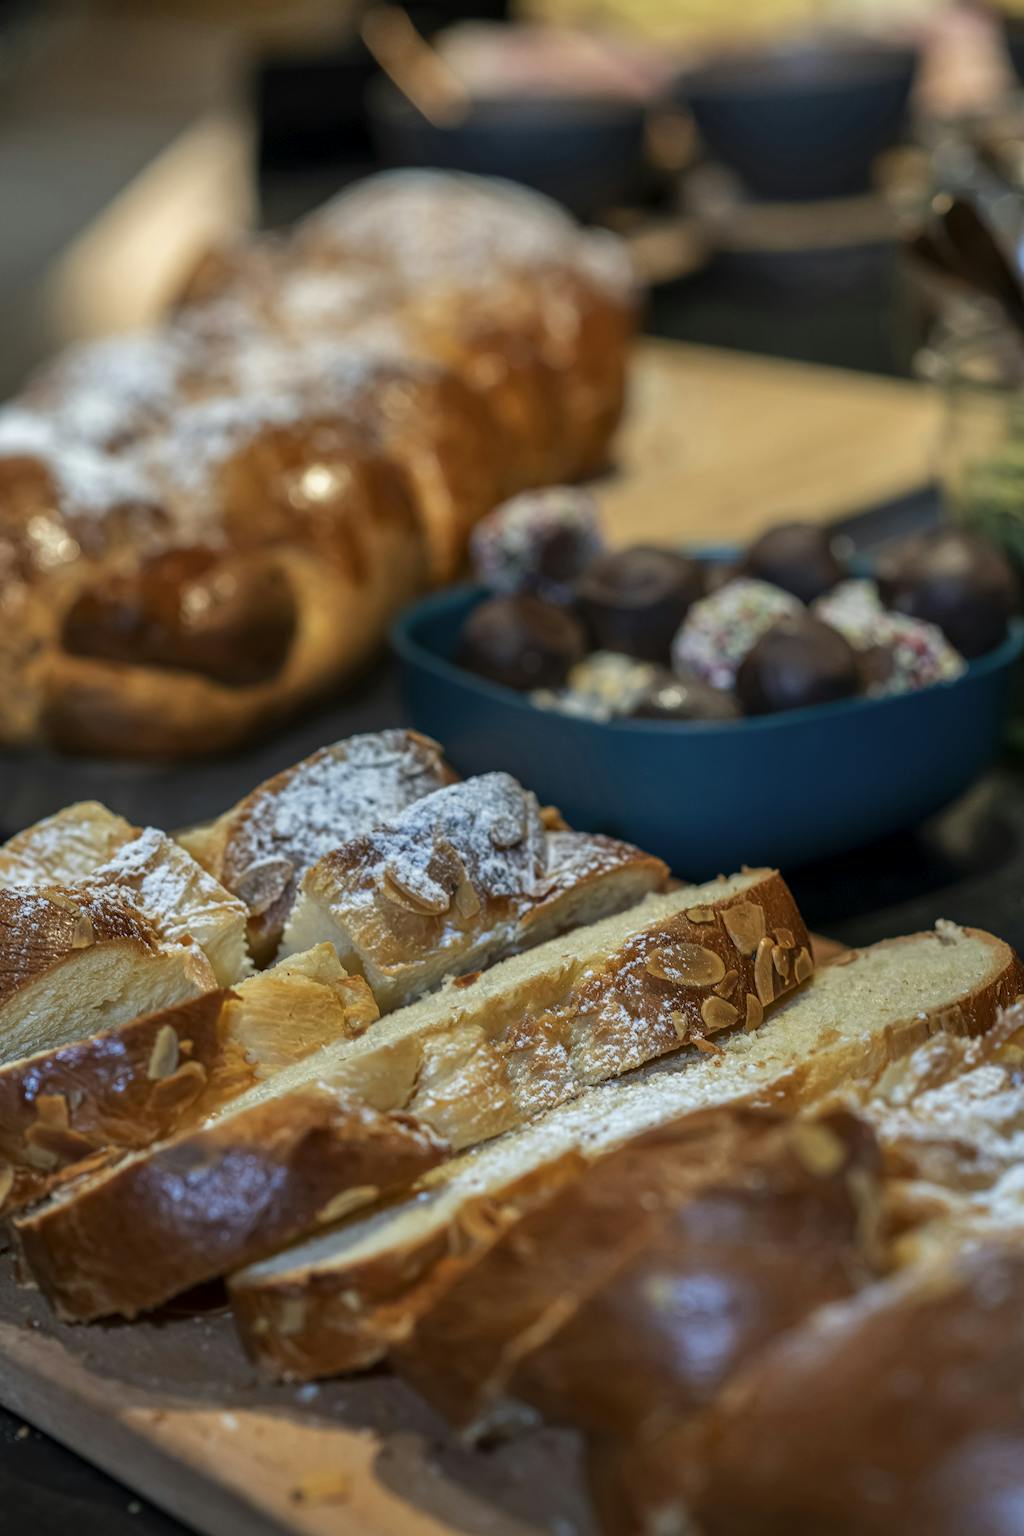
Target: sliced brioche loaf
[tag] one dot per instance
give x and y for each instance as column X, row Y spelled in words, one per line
column 463, row 876
column 149, row 1078
column 494, row 1048
column 343, row 1299
column 88, row 845
column 475, row 1059
column 159, row 1222
column 261, row 848
column 894, row 1412
column 563, row 1312
column 74, row 961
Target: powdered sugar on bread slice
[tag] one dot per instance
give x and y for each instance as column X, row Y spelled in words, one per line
column 87, row 845
column 462, row 877
column 261, row 848
column 74, row 961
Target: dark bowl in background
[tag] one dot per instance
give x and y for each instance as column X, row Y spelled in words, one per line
column 587, row 153
column 802, row 123
column 775, row 789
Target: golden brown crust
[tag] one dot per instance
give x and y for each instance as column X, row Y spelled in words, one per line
column 127, row 1087
column 311, row 1326
column 597, row 1021
column 43, row 928
column 121, row 1089
column 896, row 1412
column 757, row 1206
column 190, row 1209
column 307, row 1323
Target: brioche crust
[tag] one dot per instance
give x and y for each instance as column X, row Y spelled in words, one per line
column 213, row 523
column 321, row 1312
column 128, row 1238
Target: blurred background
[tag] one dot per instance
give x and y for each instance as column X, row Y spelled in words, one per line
column 769, row 160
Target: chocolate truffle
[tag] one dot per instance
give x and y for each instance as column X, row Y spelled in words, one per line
column 798, row 557
column 684, row 696
column 539, row 542
column 521, row 642
column 955, row 580
column 898, row 654
column 633, row 600
column 800, row 661
column 722, row 627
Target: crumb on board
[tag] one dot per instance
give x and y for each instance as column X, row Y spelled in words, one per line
column 322, row 1488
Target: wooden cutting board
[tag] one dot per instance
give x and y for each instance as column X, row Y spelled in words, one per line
column 717, row 445
column 172, row 1409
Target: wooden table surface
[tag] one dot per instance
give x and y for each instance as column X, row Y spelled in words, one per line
column 718, row 444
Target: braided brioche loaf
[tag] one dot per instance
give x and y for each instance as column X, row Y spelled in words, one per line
column 204, row 526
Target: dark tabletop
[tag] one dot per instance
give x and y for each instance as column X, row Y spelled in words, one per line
column 967, row 865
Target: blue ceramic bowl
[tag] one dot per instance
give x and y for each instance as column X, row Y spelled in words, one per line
column 777, row 789
column 802, row 122
column 587, row 153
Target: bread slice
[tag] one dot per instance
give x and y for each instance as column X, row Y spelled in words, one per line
column 567, row 1311
column 950, row 1118
column 465, row 875
column 89, row 845
column 159, row 1222
column 181, row 900
column 75, row 961
column 897, row 1411
column 132, row 1085
column 344, row 1299
column 65, row 848
column 262, row 847
column 474, row 1059
column 492, row 1049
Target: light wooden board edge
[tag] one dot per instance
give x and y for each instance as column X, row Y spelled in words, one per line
column 68, row 1407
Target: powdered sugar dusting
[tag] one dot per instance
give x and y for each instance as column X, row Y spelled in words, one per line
column 205, row 435
column 309, row 299
column 102, row 391
column 174, row 892
column 86, row 480
column 492, row 825
column 331, row 797
column 429, row 225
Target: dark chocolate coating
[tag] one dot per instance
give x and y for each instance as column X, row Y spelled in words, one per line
column 634, row 600
column 522, row 642
column 798, row 557
column 800, row 661
column 685, row 696
column 955, row 580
